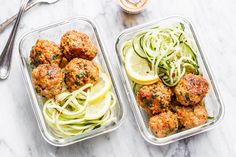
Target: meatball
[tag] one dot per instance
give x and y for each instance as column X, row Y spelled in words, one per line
column 47, row 80
column 174, row 104
column 163, row 124
column 191, row 89
column 45, row 52
column 154, row 98
column 192, row 116
column 77, row 44
column 79, row 72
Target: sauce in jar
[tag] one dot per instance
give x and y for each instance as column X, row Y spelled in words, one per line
column 133, row 6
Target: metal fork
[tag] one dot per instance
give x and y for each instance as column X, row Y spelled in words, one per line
column 5, row 58
column 6, row 23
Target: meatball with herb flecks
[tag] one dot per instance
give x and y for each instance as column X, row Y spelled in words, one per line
column 47, row 80
column 79, row 72
column 191, row 89
column 77, row 44
column 163, row 124
column 45, row 52
column 154, row 98
column 192, row 116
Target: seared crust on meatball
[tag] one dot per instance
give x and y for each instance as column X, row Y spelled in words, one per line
column 192, row 116
column 79, row 72
column 47, row 80
column 77, row 44
column 154, row 98
column 45, row 52
column 163, row 124
column 191, row 89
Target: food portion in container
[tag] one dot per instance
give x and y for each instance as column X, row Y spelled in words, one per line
column 76, row 91
column 45, row 52
column 161, row 63
column 77, row 44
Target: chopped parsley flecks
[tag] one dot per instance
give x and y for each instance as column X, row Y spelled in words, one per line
column 143, row 98
column 82, row 74
column 32, row 65
column 154, row 96
column 86, row 73
column 148, row 103
column 77, row 83
column 55, row 57
column 161, row 105
column 37, row 90
column 187, row 97
column 38, row 52
column 93, row 78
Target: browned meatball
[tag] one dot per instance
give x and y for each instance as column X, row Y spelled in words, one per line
column 47, row 80
column 79, row 72
column 191, row 89
column 163, row 124
column 77, row 44
column 45, row 52
column 192, row 116
column 154, row 98
column 174, row 104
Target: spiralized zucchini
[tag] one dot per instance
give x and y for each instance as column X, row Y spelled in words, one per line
column 65, row 114
column 168, row 50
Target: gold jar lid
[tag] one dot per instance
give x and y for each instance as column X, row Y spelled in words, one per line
column 133, row 6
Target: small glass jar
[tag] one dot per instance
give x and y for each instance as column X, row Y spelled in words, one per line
column 133, row 6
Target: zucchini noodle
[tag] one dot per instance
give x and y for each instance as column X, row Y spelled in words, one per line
column 168, row 50
column 65, row 114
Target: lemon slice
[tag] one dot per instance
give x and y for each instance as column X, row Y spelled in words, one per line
column 138, row 69
column 101, row 88
column 98, row 109
column 125, row 47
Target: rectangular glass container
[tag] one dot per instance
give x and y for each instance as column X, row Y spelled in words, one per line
column 213, row 101
column 54, row 32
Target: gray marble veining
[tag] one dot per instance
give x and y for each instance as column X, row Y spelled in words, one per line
column 215, row 23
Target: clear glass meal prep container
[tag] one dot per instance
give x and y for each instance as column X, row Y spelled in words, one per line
column 213, row 101
column 54, row 32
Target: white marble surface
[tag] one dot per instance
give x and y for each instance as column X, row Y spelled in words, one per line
column 215, row 23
